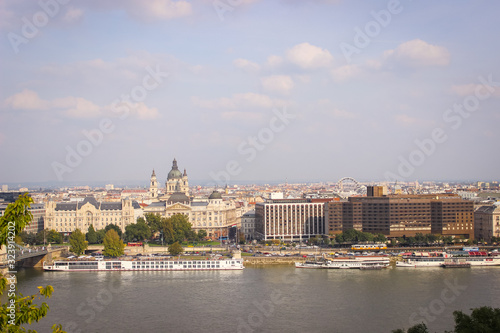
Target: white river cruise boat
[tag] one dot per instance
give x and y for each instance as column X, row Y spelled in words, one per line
column 442, row 259
column 346, row 263
column 144, row 265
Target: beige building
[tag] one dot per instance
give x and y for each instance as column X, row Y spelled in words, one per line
column 487, row 222
column 248, row 224
column 69, row 216
column 214, row 215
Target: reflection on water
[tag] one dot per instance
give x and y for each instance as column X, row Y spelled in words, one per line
column 262, row 299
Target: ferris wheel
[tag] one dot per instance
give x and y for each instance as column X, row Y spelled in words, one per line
column 349, row 186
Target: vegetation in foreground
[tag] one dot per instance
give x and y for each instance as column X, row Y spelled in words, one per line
column 19, row 310
column 482, row 320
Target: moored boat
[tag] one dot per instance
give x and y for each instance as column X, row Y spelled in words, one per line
column 144, row 265
column 346, row 263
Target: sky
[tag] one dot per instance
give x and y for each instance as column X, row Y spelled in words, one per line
column 249, row 90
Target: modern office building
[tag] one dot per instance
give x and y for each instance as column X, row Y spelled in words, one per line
column 487, row 222
column 290, row 219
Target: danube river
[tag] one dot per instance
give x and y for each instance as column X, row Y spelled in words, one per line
column 262, row 299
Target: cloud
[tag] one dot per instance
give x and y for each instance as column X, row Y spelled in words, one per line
column 345, row 72
column 274, row 61
column 157, row 9
column 239, row 101
column 282, row 84
column 326, row 107
column 73, row 14
column 246, row 65
column 474, row 89
column 26, row 100
column 73, row 107
column 417, row 53
column 308, row 56
column 408, row 121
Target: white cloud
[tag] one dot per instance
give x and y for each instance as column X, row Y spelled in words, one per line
column 157, row 9
column 308, row 56
column 282, row 84
column 73, row 14
column 408, row 121
column 240, row 101
column 26, row 100
column 246, row 65
column 274, row 61
column 73, row 107
column 326, row 107
column 345, row 72
column 475, row 89
column 417, row 53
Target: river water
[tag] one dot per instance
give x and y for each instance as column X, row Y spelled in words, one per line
column 262, row 299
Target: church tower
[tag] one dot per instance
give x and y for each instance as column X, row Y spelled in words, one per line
column 176, row 181
column 153, row 187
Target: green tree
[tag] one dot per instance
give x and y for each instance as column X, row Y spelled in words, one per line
column 27, row 309
column 77, row 242
column 115, row 228
column 181, row 226
column 175, row 249
column 91, row 235
column 113, row 245
column 202, row 234
column 53, row 237
column 167, row 229
column 484, row 319
column 100, row 236
column 138, row 231
column 154, row 222
column 28, row 237
column 379, row 238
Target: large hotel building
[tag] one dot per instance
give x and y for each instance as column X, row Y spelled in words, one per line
column 402, row 215
column 290, row 219
column 390, row 215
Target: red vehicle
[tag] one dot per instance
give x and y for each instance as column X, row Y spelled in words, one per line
column 134, row 244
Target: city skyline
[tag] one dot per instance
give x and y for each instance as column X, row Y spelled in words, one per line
column 254, row 91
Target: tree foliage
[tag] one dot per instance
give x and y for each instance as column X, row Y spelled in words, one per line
column 91, row 235
column 154, row 222
column 113, row 245
column 115, row 228
column 356, row 236
column 175, row 249
column 138, row 231
column 19, row 310
column 77, row 242
column 177, row 229
column 483, row 319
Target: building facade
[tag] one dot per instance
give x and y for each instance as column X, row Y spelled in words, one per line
column 248, row 224
column 66, row 217
column 214, row 215
column 290, row 219
column 487, row 222
column 37, row 223
column 403, row 215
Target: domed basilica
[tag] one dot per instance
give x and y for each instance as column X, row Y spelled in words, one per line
column 214, row 215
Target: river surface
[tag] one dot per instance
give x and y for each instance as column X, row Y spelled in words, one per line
column 262, row 299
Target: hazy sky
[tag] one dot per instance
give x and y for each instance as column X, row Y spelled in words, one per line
column 249, row 90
